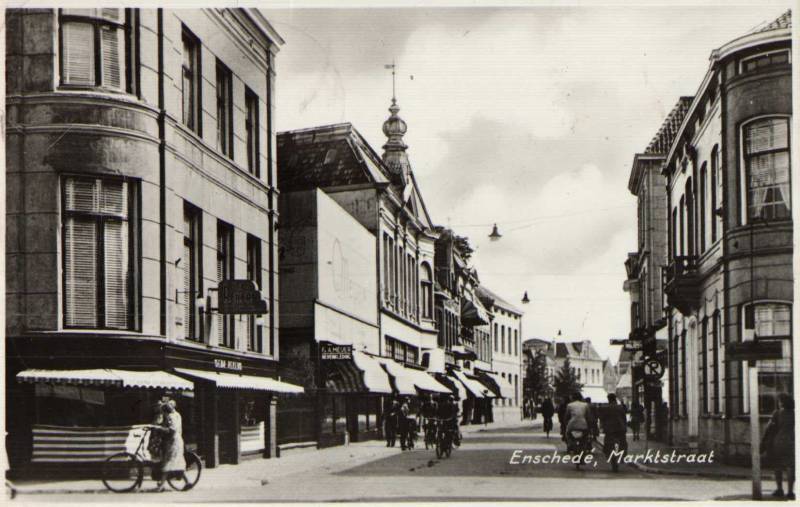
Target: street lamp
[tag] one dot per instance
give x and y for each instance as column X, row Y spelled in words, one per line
column 525, row 299
column 495, row 235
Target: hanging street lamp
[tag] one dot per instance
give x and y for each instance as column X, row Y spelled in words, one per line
column 495, row 235
column 525, row 299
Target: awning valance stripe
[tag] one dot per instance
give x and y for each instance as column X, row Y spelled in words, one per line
column 473, row 387
column 373, row 375
column 106, row 377
column 408, row 381
column 231, row 381
column 343, row 377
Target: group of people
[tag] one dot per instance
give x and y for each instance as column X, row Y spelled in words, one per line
column 166, row 441
column 400, row 423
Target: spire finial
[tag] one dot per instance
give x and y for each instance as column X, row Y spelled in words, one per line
column 393, row 66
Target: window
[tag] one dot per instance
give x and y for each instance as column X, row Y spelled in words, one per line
column 516, row 342
column 100, row 253
column 690, row 225
column 769, row 321
column 673, row 239
column 97, row 48
column 192, row 263
column 226, row 328
column 495, row 338
column 224, row 110
column 716, row 345
column 255, row 336
column 190, row 82
column 766, row 161
column 427, row 291
column 252, row 130
column 703, row 363
column 763, row 60
column 702, row 207
column 681, row 229
column 503, row 339
column 716, row 194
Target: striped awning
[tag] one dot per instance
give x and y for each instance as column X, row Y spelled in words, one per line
column 71, row 444
column 492, row 383
column 454, row 385
column 232, row 381
column 473, row 313
column 106, row 377
column 502, row 387
column 363, row 374
column 473, row 387
column 407, row 381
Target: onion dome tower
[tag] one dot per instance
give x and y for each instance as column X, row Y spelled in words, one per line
column 394, row 151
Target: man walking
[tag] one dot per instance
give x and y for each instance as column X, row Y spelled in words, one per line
column 547, row 414
column 612, row 420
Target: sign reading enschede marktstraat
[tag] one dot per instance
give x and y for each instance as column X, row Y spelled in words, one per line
column 330, row 351
column 240, row 297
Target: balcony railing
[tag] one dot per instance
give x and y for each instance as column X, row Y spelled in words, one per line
column 682, row 283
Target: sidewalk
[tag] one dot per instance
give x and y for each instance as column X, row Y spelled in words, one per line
column 252, row 472
column 714, row 469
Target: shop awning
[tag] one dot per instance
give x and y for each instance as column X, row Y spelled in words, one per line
column 362, row 374
column 506, row 389
column 408, row 380
column 493, row 382
column 473, row 387
column 473, row 313
column 107, row 377
column 232, row 381
column 455, row 386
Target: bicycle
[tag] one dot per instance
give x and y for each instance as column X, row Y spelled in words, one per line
column 430, row 432
column 124, row 471
column 444, row 439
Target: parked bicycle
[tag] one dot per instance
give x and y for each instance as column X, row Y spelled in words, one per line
column 125, row 471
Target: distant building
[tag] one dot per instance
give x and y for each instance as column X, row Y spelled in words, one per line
column 587, row 365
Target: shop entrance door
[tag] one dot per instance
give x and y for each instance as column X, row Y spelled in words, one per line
column 228, row 427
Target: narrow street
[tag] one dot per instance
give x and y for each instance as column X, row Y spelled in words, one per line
column 477, row 471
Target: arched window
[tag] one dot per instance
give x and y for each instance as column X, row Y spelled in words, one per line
column 701, row 197
column 426, row 285
column 716, row 194
column 690, row 232
column 765, row 152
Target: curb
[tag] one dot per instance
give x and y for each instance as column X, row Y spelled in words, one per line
column 685, row 473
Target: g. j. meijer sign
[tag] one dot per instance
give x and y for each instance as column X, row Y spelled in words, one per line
column 240, row 297
column 330, row 351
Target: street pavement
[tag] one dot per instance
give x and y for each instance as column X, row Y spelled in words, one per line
column 480, row 470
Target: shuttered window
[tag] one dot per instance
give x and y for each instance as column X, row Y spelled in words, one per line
column 254, row 331
column 252, row 129
column 224, row 110
column 191, row 265
column 225, row 323
column 100, row 257
column 97, row 48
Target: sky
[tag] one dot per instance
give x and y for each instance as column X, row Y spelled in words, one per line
column 528, row 117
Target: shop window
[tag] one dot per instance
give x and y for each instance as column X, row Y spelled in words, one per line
column 767, row 169
column 224, row 110
column 191, row 82
column 225, row 258
column 101, row 253
column 97, row 48
column 768, row 321
column 252, row 130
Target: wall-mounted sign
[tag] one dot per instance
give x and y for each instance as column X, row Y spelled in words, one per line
column 631, row 346
column 331, row 351
column 653, row 369
column 753, row 350
column 240, row 297
column 227, row 364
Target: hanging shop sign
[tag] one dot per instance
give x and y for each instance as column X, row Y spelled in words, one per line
column 333, row 352
column 632, row 346
column 754, row 350
column 240, row 297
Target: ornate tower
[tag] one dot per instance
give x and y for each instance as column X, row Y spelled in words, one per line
column 394, row 151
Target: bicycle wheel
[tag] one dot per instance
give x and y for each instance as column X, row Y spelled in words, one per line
column 122, row 472
column 190, row 477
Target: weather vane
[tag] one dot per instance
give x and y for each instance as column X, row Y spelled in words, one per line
column 393, row 67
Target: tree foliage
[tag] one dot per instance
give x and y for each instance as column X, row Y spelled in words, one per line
column 566, row 381
column 536, row 384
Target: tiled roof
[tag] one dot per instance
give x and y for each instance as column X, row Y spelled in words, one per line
column 781, row 22
column 483, row 291
column 666, row 134
column 326, row 156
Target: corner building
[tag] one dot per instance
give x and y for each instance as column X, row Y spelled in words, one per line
column 140, row 174
column 729, row 277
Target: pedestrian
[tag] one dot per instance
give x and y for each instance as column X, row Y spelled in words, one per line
column 593, row 417
column 637, row 416
column 547, row 415
column 173, row 461
column 402, row 424
column 562, row 422
column 390, row 423
column 778, row 445
column 613, row 422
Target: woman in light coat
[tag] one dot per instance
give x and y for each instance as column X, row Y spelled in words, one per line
column 172, row 459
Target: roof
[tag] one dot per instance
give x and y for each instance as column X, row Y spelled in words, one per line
column 575, row 349
column 327, row 156
column 781, row 22
column 661, row 142
column 498, row 301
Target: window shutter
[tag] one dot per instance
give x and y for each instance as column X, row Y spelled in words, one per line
column 80, row 273
column 187, row 286
column 78, row 57
column 221, row 276
column 116, row 273
column 81, row 195
column 111, row 14
column 112, row 51
column 114, row 198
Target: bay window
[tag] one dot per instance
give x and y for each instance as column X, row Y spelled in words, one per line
column 97, row 48
column 100, row 253
column 767, row 169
